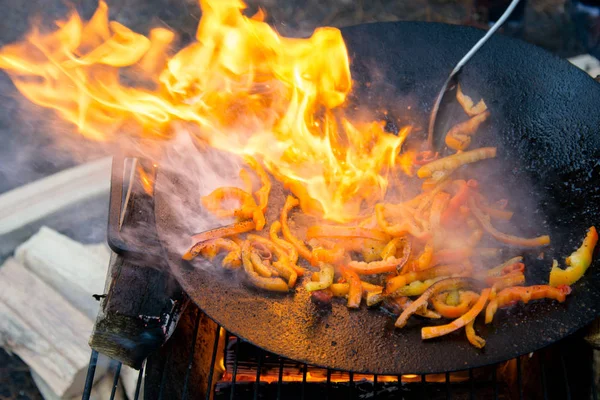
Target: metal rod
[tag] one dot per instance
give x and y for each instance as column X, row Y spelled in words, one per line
column 543, row 376
column 351, row 385
column 191, row 358
column 280, row 378
column 212, row 361
column 138, row 385
column 163, row 375
column 375, row 386
column 423, row 386
column 89, row 379
column 565, row 376
column 257, row 382
column 328, row 387
column 495, row 382
column 113, row 392
column 448, row 392
column 519, row 378
column 235, row 367
column 304, row 371
column 461, row 63
column 471, row 385
column 593, row 377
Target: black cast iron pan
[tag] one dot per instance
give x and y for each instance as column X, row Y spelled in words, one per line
column 546, row 124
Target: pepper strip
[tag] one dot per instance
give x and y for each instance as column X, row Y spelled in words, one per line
column 459, row 136
column 377, row 267
column 401, row 229
column 212, row 202
column 282, row 265
column 290, row 203
column 578, row 262
column 291, row 251
column 484, row 221
column 229, row 230
column 472, row 336
column 400, row 281
column 467, row 103
column 512, row 295
column 459, row 199
column 499, row 270
column 274, row 284
column 431, row 332
column 421, row 302
column 326, row 273
column 319, row 231
column 454, row 161
column 466, row 300
column 355, row 288
column 504, row 281
column 262, row 194
column 211, row 248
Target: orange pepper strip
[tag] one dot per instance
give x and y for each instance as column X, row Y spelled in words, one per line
column 342, row 289
column 291, row 251
column 424, row 260
column 274, row 284
column 454, row 161
column 496, row 213
column 431, row 332
column 459, row 136
column 467, row 298
column 331, row 256
column 472, row 336
column 421, row 302
column 290, row 203
column 355, row 289
column 229, row 230
column 512, row 295
column 213, row 201
column 459, row 199
column 319, row 231
column 377, row 267
column 451, row 256
column 484, row 221
column 438, row 206
column 406, row 226
column 467, row 103
column 504, row 281
column 499, row 270
column 400, row 281
column 262, row 194
column 211, row 248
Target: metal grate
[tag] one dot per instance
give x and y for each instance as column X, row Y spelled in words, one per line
column 568, row 383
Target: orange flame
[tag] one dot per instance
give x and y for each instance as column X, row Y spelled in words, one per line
column 247, row 89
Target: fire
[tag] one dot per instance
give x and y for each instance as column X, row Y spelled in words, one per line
column 247, row 89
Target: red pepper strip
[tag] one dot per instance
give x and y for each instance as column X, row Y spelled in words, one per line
column 512, row 295
column 213, row 201
column 578, row 262
column 290, row 203
column 355, row 291
column 319, row 231
column 431, row 332
column 503, row 237
column 451, row 256
column 472, row 336
column 229, row 230
column 459, row 199
column 421, row 302
column 467, row 298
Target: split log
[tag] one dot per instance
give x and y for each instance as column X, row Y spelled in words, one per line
column 44, row 330
column 73, row 270
column 143, row 301
column 25, row 209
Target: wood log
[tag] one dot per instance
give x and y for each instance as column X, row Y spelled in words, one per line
column 25, row 209
column 143, row 301
column 44, row 330
column 73, row 270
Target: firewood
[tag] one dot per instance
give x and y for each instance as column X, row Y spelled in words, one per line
column 73, row 270
column 44, row 330
column 25, row 209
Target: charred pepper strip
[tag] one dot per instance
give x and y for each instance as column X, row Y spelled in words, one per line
column 454, row 161
column 274, row 284
column 421, row 302
column 484, row 221
column 325, row 278
column 333, row 231
column 224, row 231
column 213, row 202
column 355, row 287
column 512, row 295
column 466, row 300
column 290, row 203
column 431, row 332
column 578, row 262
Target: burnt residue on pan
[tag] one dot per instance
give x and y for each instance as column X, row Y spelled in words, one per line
column 546, row 125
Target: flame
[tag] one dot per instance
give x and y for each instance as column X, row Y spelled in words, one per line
column 247, row 89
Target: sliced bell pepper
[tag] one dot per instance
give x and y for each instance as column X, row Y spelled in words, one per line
column 440, row 304
column 326, row 273
column 578, row 262
column 275, row 284
column 355, row 288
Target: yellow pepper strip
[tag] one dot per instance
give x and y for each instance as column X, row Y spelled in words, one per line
column 260, row 267
column 330, row 256
column 342, row 289
column 454, row 161
column 400, row 281
column 262, row 194
column 274, row 284
column 416, row 288
column 459, row 136
column 472, row 336
column 431, row 332
column 578, row 262
column 467, row 104
column 282, row 265
column 290, row 203
column 291, row 251
column 325, row 278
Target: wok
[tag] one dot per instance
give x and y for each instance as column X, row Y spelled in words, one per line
column 545, row 121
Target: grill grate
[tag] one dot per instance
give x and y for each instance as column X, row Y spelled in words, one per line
column 572, row 383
